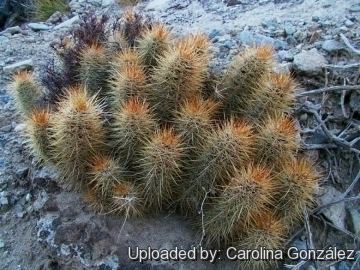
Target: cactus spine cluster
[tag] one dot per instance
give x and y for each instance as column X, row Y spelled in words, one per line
column 136, row 130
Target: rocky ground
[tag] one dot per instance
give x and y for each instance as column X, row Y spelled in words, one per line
column 45, row 227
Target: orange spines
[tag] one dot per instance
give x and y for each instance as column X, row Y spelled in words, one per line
column 104, row 173
column 276, row 99
column 26, row 91
column 153, row 44
column 298, row 183
column 160, row 167
column 227, row 148
column 268, row 233
column 278, row 140
column 77, row 134
column 133, row 125
column 245, row 78
column 93, row 70
column 37, row 132
column 129, row 81
column 194, row 120
column 179, row 76
column 126, row 200
column 248, row 193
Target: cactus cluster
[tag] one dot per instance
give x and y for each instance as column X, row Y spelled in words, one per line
column 133, row 120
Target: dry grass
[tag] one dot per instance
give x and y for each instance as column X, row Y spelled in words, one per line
column 45, row 8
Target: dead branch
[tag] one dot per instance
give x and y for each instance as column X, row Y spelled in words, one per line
column 329, row 89
column 348, row 44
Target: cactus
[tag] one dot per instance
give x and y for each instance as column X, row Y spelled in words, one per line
column 225, row 149
column 267, row 232
column 37, row 131
column 245, row 78
column 104, row 174
column 130, row 81
column 170, row 131
column 276, row 99
column 194, row 120
column 246, row 195
column 277, row 140
column 153, row 44
column 94, row 69
column 178, row 76
column 92, row 197
column 27, row 91
column 133, row 125
column 125, row 200
column 76, row 134
column 125, row 58
column 160, row 167
column 298, row 182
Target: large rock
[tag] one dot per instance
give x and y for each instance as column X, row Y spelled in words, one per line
column 335, row 213
column 332, row 46
column 38, row 26
column 251, row 39
column 309, row 62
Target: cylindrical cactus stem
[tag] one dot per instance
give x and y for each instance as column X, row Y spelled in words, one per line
column 104, row 173
column 200, row 44
column 276, row 99
column 225, row 149
column 37, row 133
column 178, row 76
column 248, row 193
column 298, row 182
column 277, row 141
column 133, row 125
column 267, row 232
column 93, row 198
column 94, row 69
column 126, row 200
column 153, row 44
column 77, row 134
column 27, row 91
column 194, row 120
column 246, row 76
column 123, row 59
column 128, row 82
column 160, row 168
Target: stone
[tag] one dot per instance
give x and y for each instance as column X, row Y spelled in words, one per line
column 349, row 23
column 2, row 244
column 38, row 26
column 355, row 8
column 3, row 39
column 106, row 3
column 67, row 23
column 6, row 128
column 55, row 18
column 355, row 220
column 12, row 30
column 285, row 55
column 22, row 65
column 4, row 198
column 309, row 62
column 335, row 213
column 22, row 171
column 40, row 201
column 289, row 29
column 332, row 46
column 248, row 38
